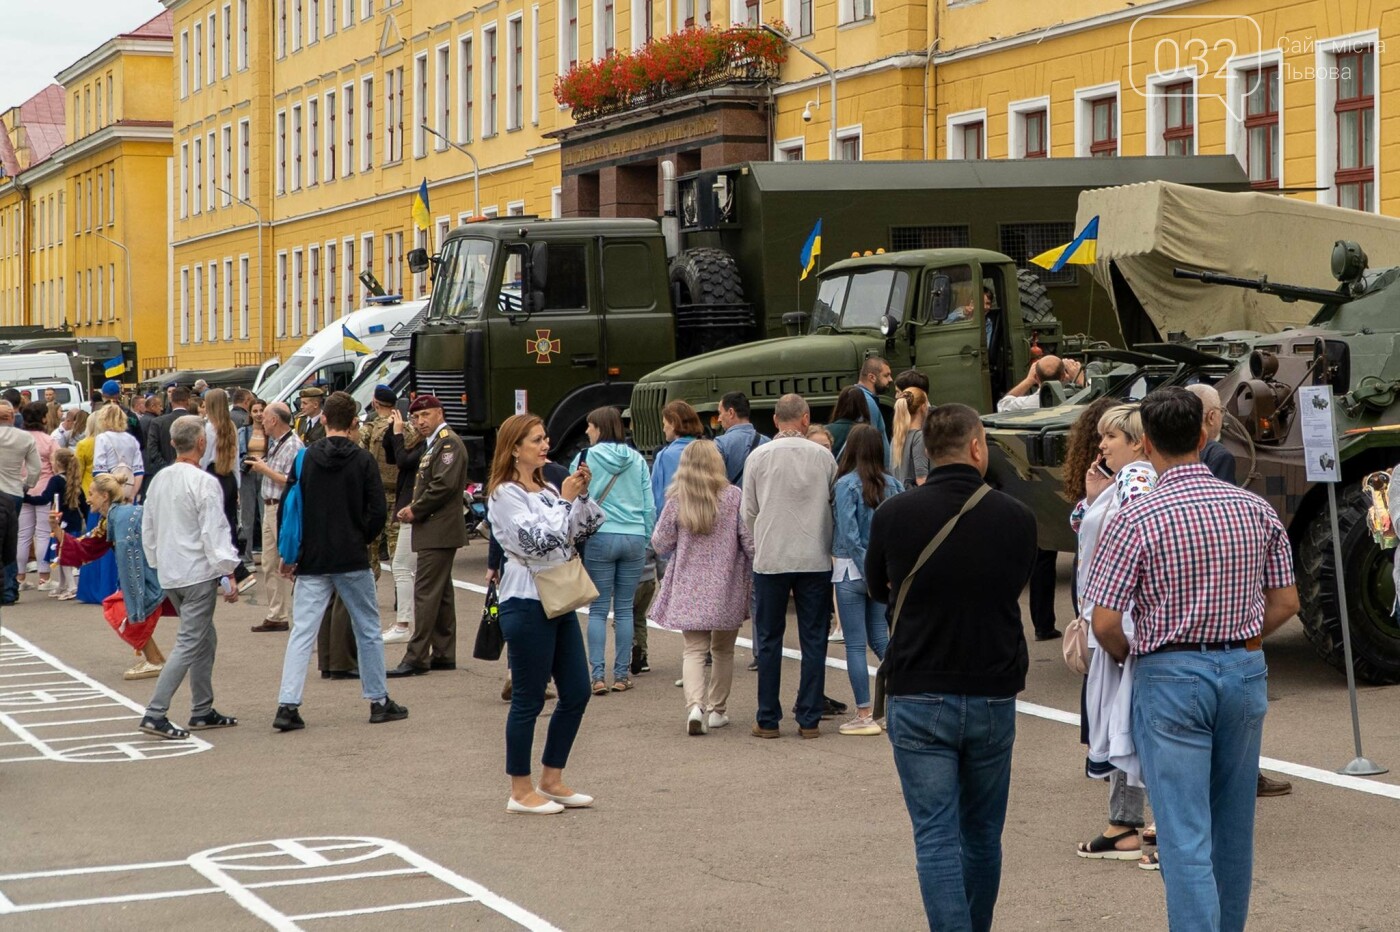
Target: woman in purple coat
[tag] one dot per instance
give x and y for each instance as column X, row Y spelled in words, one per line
column 705, row 592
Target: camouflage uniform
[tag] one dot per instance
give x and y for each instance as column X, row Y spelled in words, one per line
column 372, row 435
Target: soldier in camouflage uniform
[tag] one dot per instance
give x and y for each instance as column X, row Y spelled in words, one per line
column 373, row 435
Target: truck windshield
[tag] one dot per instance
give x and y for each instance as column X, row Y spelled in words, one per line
column 292, row 371
column 463, row 278
column 858, row 301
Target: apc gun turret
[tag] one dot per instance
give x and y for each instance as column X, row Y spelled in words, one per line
column 1348, row 265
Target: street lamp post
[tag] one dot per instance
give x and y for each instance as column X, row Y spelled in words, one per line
column 262, row 322
column 831, row 137
column 476, row 168
column 130, row 308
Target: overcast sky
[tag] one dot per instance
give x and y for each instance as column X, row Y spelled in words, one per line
column 40, row 39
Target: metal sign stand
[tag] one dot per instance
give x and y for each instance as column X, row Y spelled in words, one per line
column 1320, row 450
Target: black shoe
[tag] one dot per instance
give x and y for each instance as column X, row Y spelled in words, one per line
column 753, row 664
column 645, row 666
column 288, row 719
column 1050, row 635
column 386, row 711
column 442, row 665
column 831, row 708
column 341, row 674
column 162, row 728
column 407, row 669
column 636, row 665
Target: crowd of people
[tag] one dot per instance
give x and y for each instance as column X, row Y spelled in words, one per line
column 1178, row 576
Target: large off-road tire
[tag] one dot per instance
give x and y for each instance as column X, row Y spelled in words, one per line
column 1036, row 306
column 706, row 276
column 1375, row 634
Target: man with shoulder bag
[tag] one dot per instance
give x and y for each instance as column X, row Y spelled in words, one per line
column 952, row 557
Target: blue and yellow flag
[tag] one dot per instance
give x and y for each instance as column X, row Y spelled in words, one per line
column 1083, row 250
column 421, row 217
column 810, row 251
column 352, row 343
column 114, row 367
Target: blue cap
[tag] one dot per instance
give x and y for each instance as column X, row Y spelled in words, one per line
column 111, row 388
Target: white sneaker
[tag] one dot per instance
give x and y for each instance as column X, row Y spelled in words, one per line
column 836, row 637
column 860, row 725
column 696, row 724
column 143, row 670
column 680, row 683
column 718, row 720
column 55, row 593
column 397, row 634
column 49, row 586
column 67, row 596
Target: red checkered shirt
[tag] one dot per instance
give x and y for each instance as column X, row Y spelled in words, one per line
column 1192, row 561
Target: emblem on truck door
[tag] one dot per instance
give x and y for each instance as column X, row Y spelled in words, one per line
column 542, row 346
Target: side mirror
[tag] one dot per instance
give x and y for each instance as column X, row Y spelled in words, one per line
column 940, row 298
column 418, row 260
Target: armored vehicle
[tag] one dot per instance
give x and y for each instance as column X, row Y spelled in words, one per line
column 1349, row 343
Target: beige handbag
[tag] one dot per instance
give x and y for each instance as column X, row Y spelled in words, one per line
column 1076, row 645
column 565, row 587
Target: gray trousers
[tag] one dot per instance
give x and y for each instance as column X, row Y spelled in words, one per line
column 1125, row 803
column 195, row 644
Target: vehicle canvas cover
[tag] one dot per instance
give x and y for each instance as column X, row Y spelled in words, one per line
column 1147, row 229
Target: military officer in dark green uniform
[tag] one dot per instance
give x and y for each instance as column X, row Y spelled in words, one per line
column 438, row 530
column 309, row 423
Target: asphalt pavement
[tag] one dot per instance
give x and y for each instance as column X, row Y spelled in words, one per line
column 403, row 825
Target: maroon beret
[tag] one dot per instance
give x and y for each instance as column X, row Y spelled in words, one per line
column 423, row 403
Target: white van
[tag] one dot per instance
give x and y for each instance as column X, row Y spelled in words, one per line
column 66, row 392
column 26, row 368
column 325, row 358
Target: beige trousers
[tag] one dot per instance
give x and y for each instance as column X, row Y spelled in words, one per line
column 712, row 696
column 276, row 589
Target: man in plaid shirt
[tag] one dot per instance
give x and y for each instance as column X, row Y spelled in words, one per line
column 1207, row 571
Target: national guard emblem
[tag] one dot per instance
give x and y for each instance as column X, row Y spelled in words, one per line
column 542, row 346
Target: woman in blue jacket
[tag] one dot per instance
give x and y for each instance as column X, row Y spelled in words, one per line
column 861, row 485
column 614, row 558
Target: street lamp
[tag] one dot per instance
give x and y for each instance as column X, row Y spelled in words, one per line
column 262, row 323
column 831, row 138
column 130, row 308
column 476, row 168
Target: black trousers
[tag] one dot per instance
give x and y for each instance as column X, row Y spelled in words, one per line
column 1043, row 591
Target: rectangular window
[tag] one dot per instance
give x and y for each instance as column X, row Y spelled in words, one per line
column 641, row 23
column 367, row 124
column 211, row 149
column 313, row 21
column 848, row 144
column 443, row 122
column 296, row 164
column 1033, row 133
column 101, row 198
column 348, row 292
column 98, row 124
column 184, row 179
column 515, row 72
column 227, row 58
column 972, row 140
column 1179, row 125
column 211, row 323
column 393, row 115
column 466, row 91
column 853, row 11
column 185, row 63
column 226, row 137
column 1103, row 141
column 242, row 35
column 605, row 30
column 804, row 17
column 197, row 71
column 100, row 289
column 197, row 169
column 111, row 196
column 313, row 290
column 347, row 129
column 111, row 291
column 1261, row 126
column 489, row 79
column 228, row 299
column 1021, row 241
column 184, row 305
column 111, row 100
column 243, row 297
column 211, row 63
column 367, row 252
column 281, row 295
column 420, row 105
column 366, row 9
column 245, row 154
column 197, row 305
column 313, row 164
column 297, row 19
column 297, row 293
column 331, row 16
column 332, row 136
column 281, row 152
column 420, row 279
column 568, row 39
column 1355, row 114
column 330, row 307
column 535, row 64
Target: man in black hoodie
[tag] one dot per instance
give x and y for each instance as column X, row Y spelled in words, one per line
column 342, row 511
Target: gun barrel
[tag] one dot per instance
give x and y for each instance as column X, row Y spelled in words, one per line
column 1288, row 293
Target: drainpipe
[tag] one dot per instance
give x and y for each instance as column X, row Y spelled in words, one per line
column 670, row 225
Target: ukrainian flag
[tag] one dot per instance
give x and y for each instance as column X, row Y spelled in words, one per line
column 114, row 367
column 352, row 343
column 810, row 251
column 421, row 217
column 1082, row 250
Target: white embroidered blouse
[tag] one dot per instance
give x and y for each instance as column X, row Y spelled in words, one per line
column 537, row 530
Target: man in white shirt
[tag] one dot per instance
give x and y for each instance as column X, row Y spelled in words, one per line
column 787, row 506
column 1025, row 396
column 187, row 541
column 19, row 470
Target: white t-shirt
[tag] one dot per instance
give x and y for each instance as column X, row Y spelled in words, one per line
column 117, row 447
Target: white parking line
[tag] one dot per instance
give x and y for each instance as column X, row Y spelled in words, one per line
column 1049, row 713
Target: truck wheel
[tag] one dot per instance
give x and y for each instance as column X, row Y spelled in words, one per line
column 705, row 276
column 1375, row 634
column 1036, row 306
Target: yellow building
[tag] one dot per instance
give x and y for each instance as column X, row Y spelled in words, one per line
column 32, row 223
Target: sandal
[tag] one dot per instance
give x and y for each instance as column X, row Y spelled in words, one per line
column 621, row 686
column 1149, row 835
column 212, row 719
column 1105, row 848
column 600, row 688
column 162, row 728
column 1149, row 862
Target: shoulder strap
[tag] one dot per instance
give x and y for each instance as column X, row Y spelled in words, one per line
column 611, row 482
column 933, row 546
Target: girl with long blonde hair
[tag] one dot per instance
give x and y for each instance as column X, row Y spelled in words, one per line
column 221, row 453
column 705, row 592
column 907, row 454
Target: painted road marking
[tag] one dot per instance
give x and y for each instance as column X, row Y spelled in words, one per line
column 42, row 714
column 239, row 870
column 1049, row 713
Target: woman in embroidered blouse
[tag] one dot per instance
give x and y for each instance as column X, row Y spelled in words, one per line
column 1121, row 453
column 539, row 527
column 705, row 592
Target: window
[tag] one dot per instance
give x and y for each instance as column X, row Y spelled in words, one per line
column 330, row 306
column 198, row 70
column 185, row 63
column 197, row 169
column 1105, row 128
column 331, row 16
column 212, row 62
column 227, row 59
column 1355, row 112
column 281, row 294
column 245, row 141
column 853, row 11
column 1021, row 241
column 367, row 124
column 420, row 279
column 281, row 31
column 444, row 98
column 313, row 291
column 1028, row 129
column 1261, row 126
column 242, row 35
column 967, row 135
column 101, row 189
column 295, row 311
column 197, row 304
column 535, row 64
column 567, row 281
column 296, row 24
column 604, row 28
column 568, row 38
column 420, row 105
column 111, row 291
column 515, row 68
column 111, row 100
column 296, row 165
column 313, row 165
column 212, row 320
column 348, row 292
column 281, row 151
column 313, row 21
column 184, row 304
column 488, row 117
column 641, row 23
column 1179, row 118
column 212, row 170
column 228, row 299
column 951, row 236
column 366, row 9
column 184, row 179
column 111, row 197
column 393, row 253
column 444, row 226
column 466, row 91
column 243, row 297
column 332, row 138
column 226, row 135
column 393, row 115
column 367, row 252
column 98, row 124
column 848, row 144
column 789, row 150
column 100, row 289
column 1096, row 121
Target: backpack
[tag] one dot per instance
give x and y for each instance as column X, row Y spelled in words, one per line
column 289, row 518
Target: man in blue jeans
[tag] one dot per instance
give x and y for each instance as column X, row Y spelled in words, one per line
column 955, row 662
column 1207, row 570
column 342, row 512
column 787, row 505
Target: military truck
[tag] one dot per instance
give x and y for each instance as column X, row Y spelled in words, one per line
column 1350, row 344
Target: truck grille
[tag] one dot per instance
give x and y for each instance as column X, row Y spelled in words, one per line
column 449, row 388
column 808, row 386
column 647, row 402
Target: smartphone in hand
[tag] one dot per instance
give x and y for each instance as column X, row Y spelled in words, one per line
column 1102, row 467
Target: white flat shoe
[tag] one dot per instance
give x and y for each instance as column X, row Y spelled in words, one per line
column 718, row 720
column 696, row 724
column 548, row 807
column 572, row 801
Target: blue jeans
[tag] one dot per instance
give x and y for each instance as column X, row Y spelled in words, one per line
column 953, row 755
column 542, row 648
column 10, row 592
column 309, row 600
column 862, row 621
column 812, row 593
column 1198, row 717
column 615, row 563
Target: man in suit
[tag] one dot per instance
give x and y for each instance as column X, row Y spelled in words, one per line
column 160, row 453
column 438, row 531
column 308, row 425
